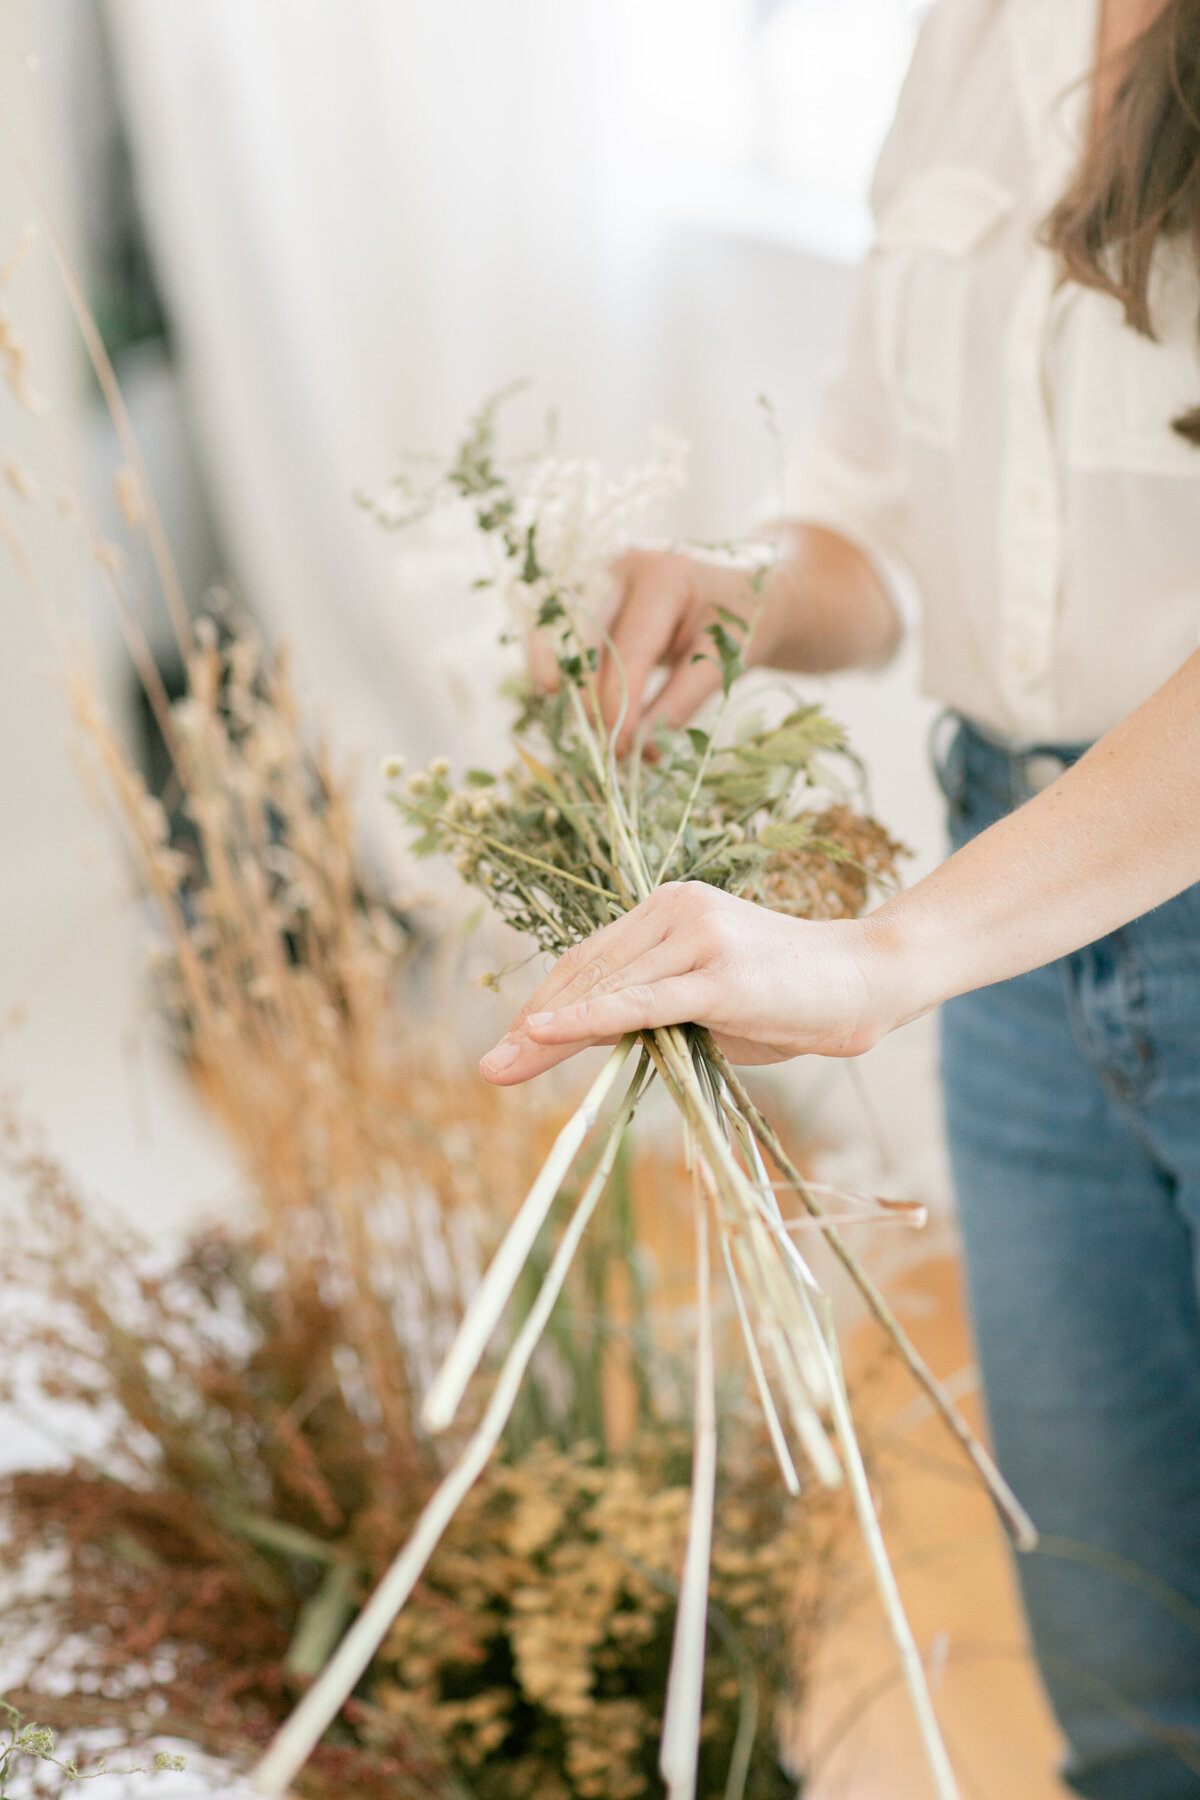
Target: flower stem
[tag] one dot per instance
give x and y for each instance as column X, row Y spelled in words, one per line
column 495, row 1290
column 1014, row 1515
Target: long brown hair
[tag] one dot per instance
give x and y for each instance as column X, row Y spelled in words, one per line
column 1140, row 179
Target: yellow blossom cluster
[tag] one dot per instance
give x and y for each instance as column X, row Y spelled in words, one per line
column 538, row 1645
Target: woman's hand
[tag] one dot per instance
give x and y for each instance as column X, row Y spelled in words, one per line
column 665, row 604
column 767, row 987
column 821, row 606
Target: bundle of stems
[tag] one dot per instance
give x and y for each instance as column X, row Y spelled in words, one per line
column 565, row 841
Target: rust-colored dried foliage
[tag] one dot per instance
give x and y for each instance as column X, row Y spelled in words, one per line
column 833, row 873
column 248, row 1494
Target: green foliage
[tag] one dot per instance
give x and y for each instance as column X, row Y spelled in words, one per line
column 568, row 837
column 23, row 1742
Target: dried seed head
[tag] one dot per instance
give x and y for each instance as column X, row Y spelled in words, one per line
column 392, row 768
column 128, row 496
column 419, row 784
column 439, row 768
column 20, row 480
column 111, row 556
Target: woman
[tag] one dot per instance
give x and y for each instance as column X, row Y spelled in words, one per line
column 1017, row 422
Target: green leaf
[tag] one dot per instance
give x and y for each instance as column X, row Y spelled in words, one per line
column 480, row 778
column 741, row 792
column 792, row 745
column 736, row 621
column 550, row 611
column 788, row 834
column 531, row 570
column 700, row 740
column 729, row 651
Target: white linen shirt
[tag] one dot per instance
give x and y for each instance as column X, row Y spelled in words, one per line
column 1000, row 433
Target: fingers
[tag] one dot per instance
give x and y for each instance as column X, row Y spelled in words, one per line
column 602, row 956
column 543, row 662
column 653, row 600
column 686, row 690
column 642, row 1006
column 518, row 1058
column 656, row 942
column 550, row 1038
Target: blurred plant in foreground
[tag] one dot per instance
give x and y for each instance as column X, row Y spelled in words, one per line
column 25, row 1743
column 205, row 1556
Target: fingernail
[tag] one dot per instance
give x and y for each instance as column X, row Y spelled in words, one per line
column 539, row 1018
column 502, row 1057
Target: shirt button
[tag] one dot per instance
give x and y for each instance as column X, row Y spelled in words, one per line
column 1040, row 771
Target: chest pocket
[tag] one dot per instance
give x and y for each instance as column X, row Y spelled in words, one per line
column 1125, row 389
column 927, row 237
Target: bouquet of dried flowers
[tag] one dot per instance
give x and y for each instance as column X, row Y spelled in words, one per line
column 563, row 842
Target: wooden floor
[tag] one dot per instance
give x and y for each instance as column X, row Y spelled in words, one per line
column 957, row 1585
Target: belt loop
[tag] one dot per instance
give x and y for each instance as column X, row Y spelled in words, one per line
column 946, row 756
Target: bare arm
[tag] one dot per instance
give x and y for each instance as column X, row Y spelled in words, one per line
column 1115, row 836
column 823, row 607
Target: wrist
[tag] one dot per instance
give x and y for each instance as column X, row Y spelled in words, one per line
column 904, row 973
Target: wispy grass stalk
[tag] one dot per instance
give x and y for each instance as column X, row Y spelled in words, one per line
column 491, row 1297
column 685, row 1689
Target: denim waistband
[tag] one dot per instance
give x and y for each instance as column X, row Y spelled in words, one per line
column 965, row 755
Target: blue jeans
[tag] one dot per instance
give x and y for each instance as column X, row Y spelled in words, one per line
column 1073, row 1108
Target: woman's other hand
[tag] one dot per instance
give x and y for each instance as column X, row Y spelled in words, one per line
column 820, row 606
column 766, row 986
column 665, row 604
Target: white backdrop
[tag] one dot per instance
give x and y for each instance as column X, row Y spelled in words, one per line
column 366, row 217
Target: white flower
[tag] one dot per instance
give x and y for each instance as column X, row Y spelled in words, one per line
column 392, row 768
column 581, row 517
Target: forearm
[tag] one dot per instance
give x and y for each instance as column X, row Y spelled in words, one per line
column 824, row 606
column 1115, row 836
